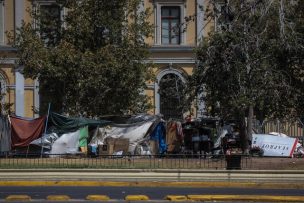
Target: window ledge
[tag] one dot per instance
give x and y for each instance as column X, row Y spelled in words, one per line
column 7, row 48
column 171, row 48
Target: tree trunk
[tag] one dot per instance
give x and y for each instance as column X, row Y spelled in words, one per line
column 243, row 133
column 249, row 128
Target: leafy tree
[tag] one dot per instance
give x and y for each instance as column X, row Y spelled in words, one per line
column 251, row 63
column 172, row 96
column 90, row 61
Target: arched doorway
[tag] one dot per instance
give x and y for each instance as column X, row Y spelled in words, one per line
column 171, row 91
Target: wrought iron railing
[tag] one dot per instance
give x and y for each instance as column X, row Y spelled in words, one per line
column 176, row 161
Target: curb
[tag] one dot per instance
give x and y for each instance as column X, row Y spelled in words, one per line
column 157, row 171
column 169, row 198
column 156, row 184
column 254, row 198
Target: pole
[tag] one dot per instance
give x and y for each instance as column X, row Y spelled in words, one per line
column 45, row 128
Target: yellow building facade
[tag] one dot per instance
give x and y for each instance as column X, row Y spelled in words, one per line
column 172, row 51
column 16, row 90
column 179, row 27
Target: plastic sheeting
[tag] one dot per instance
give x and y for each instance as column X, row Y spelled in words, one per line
column 66, row 144
column 24, row 130
column 84, row 134
column 5, row 134
column 65, row 124
column 136, row 133
column 46, row 141
column 158, row 135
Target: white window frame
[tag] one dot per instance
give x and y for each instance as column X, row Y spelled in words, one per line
column 158, row 4
column 38, row 3
column 160, row 75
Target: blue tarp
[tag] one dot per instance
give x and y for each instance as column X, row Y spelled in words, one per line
column 159, row 135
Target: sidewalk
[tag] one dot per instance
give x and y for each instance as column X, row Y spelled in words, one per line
column 153, row 178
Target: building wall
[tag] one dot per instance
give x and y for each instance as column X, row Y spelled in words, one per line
column 178, row 59
column 21, row 93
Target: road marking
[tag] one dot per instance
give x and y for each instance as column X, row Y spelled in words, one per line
column 18, row 198
column 136, row 197
column 98, row 197
column 58, row 197
column 176, row 198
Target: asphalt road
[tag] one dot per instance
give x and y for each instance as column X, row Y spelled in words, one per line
column 119, row 193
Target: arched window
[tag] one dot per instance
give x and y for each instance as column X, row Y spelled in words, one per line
column 172, row 94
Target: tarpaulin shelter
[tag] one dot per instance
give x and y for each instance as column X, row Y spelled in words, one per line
column 136, row 129
column 24, row 131
column 64, row 124
column 134, row 132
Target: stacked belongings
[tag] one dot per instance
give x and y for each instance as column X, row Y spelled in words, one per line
column 132, row 135
column 73, row 133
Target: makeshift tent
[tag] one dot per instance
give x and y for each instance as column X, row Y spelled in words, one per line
column 5, row 134
column 66, row 144
column 65, row 124
column 137, row 133
column 24, row 131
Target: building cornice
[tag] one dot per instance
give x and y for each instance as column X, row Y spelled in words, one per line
column 7, row 48
column 10, row 61
column 172, row 60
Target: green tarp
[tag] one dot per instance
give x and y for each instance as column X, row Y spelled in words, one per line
column 84, row 134
column 65, row 124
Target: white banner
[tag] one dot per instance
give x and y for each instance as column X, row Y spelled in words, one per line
column 274, row 145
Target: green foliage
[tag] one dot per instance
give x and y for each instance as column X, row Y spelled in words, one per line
column 247, row 62
column 253, row 59
column 172, row 96
column 90, row 61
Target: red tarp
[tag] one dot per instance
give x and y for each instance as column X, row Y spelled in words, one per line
column 25, row 131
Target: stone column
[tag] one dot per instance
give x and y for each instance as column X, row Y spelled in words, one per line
column 19, row 91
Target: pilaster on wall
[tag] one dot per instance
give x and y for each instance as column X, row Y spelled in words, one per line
column 19, row 103
column 199, row 21
column 19, row 97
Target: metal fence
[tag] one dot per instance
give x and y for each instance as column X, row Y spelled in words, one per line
column 178, row 161
column 124, row 162
column 181, row 161
column 292, row 129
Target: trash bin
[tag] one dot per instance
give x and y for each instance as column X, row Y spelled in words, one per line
column 233, row 161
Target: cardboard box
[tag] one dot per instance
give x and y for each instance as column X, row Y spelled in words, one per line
column 105, row 149
column 121, row 144
column 114, row 145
